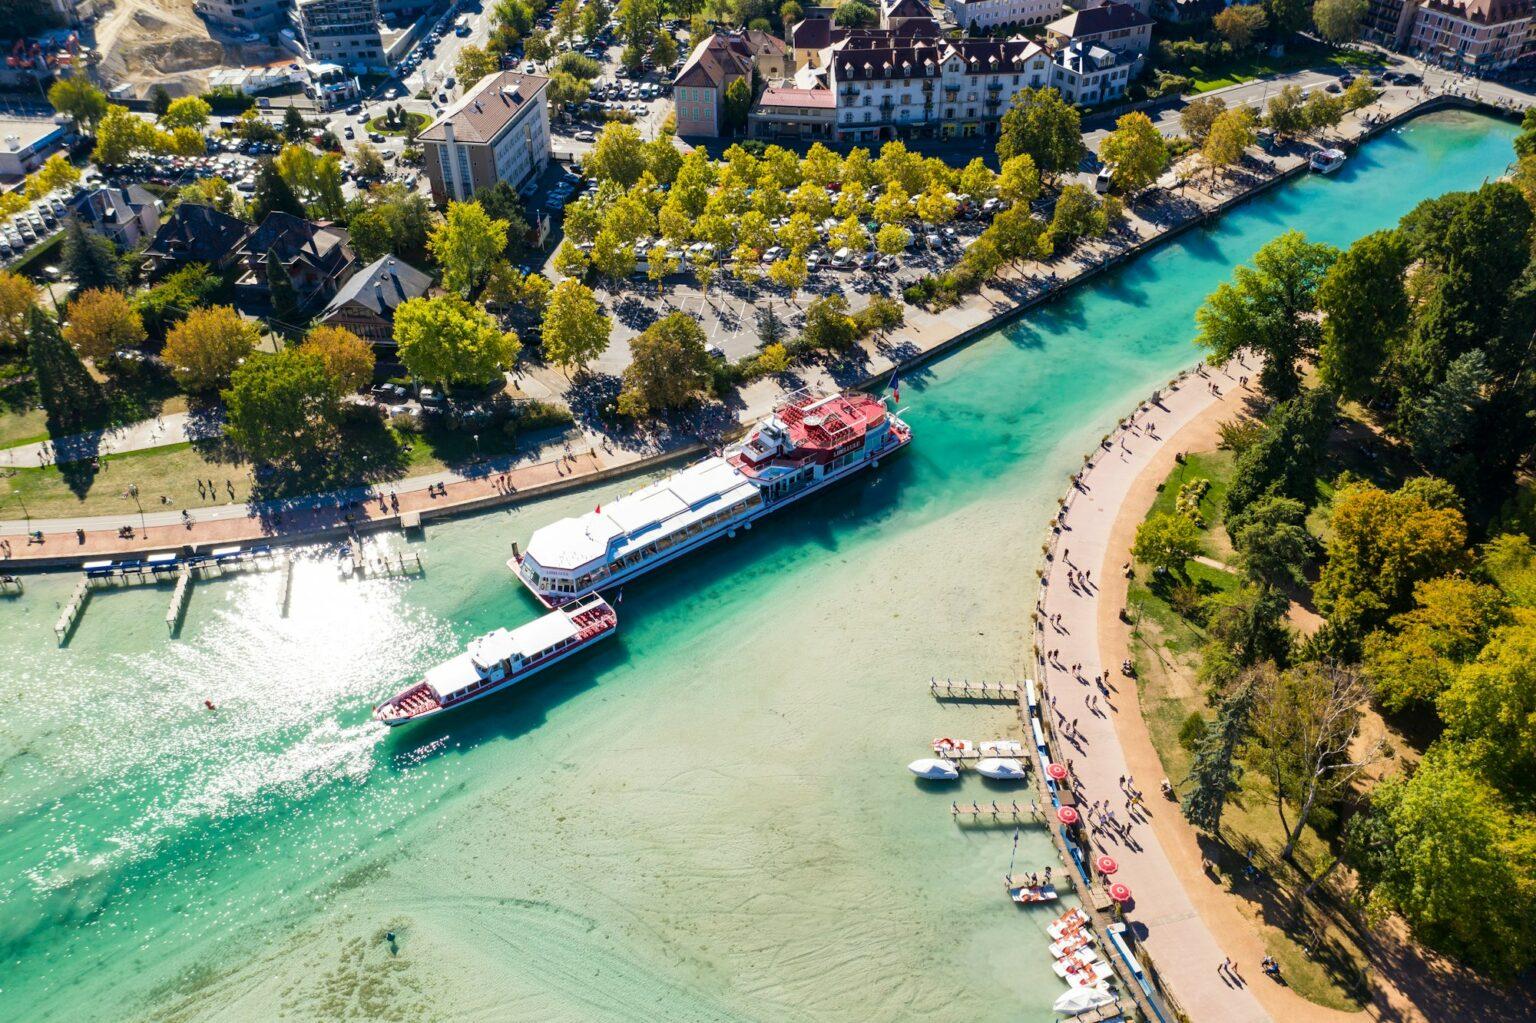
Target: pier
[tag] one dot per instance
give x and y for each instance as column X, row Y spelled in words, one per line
column 69, row 616
column 1004, row 813
column 387, row 565
column 179, row 598
column 285, row 587
column 975, row 692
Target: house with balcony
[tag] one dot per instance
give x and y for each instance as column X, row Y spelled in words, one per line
column 317, row 257
column 366, row 303
column 1088, row 74
column 1113, row 26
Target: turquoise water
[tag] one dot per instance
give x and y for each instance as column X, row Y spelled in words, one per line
column 707, row 819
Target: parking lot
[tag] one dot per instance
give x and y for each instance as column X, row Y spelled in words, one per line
column 38, row 223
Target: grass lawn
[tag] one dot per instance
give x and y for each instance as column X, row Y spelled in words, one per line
column 1295, row 58
column 23, row 426
column 1319, row 952
column 417, row 122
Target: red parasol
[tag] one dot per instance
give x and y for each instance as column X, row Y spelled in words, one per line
column 1066, row 815
column 1107, row 865
column 1119, row 892
column 1057, row 771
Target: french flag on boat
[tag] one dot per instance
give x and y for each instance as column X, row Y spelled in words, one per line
column 896, row 387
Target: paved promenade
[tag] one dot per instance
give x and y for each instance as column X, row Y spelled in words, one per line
column 1068, row 663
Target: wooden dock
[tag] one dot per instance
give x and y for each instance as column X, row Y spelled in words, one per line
column 1009, row 812
column 179, row 598
column 69, row 615
column 976, row 692
column 285, row 587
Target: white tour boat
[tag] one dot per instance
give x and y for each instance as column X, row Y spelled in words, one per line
column 809, row 442
column 1326, row 161
column 1000, row 768
column 934, row 769
column 501, row 659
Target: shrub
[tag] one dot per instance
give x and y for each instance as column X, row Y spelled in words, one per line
column 1192, row 731
column 1188, row 602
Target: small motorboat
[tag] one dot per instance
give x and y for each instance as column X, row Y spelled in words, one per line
column 1071, row 943
column 1082, row 1000
column 1326, row 161
column 1000, row 768
column 1028, row 894
column 1000, row 748
column 934, row 769
column 1070, row 922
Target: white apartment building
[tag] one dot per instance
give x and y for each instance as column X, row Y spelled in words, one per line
column 937, row 88
column 985, row 15
column 498, row 131
column 1086, row 73
column 345, row 32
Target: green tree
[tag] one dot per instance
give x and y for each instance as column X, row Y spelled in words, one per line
column 789, row 273
column 1380, row 546
column 466, row 244
column 1214, row 769
column 294, row 128
column 664, row 50
column 90, row 259
column 1285, row 112
column 1360, row 93
column 1338, row 21
column 1019, row 180
column 1448, row 853
column 206, row 347
column 69, row 394
column 1286, row 17
column 618, row 155
column 575, row 330
column 855, row 14
column 1135, row 151
column 1272, row 540
column 1269, row 309
column 1410, row 663
column 1078, row 214
column 18, row 297
column 1166, row 542
column 281, row 408
column 1240, row 25
column 1442, row 426
column 892, row 239
column 828, row 327
column 191, row 112
column 1489, row 709
column 159, row 100
column 1230, row 135
column 1044, row 127
column 1365, row 308
column 771, row 328
column 1199, row 116
column 76, row 96
column 214, row 192
column 272, row 194
column 668, row 367
column 446, row 340
column 474, row 64
column 1322, row 111
column 738, row 103
column 1284, row 460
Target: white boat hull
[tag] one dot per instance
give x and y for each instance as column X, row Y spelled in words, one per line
column 1000, row 769
column 1083, row 1000
column 934, row 769
column 707, row 536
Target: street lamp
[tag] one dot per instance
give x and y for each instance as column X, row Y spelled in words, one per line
column 476, row 437
column 133, row 492
column 24, row 513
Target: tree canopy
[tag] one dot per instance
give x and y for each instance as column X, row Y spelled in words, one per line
column 446, row 340
column 1044, row 127
column 206, row 347
column 281, row 408
column 669, row 367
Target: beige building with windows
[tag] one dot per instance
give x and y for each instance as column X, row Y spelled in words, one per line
column 698, row 92
column 984, row 15
column 498, row 131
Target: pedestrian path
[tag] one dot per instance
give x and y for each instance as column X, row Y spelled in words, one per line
column 148, row 433
column 1087, row 697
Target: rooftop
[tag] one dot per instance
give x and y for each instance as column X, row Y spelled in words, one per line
column 1108, row 17
column 482, row 112
column 791, row 97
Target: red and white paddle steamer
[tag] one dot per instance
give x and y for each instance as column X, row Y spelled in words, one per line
column 807, row 443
